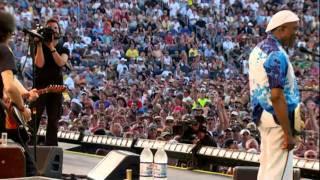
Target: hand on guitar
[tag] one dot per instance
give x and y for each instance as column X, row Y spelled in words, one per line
column 26, row 113
column 33, row 95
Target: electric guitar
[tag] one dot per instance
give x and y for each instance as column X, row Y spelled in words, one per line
column 14, row 118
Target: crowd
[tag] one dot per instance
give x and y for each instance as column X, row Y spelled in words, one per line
column 174, row 70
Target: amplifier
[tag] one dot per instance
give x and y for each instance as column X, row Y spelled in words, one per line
column 12, row 161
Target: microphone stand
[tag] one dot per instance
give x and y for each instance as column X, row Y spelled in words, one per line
column 33, row 110
column 31, row 53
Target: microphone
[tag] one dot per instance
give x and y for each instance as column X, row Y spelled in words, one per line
column 32, row 33
column 307, row 51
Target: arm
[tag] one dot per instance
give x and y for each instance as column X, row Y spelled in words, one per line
column 60, row 60
column 39, row 57
column 223, row 115
column 314, row 122
column 311, row 121
column 221, row 125
column 11, row 90
column 20, row 87
column 280, row 108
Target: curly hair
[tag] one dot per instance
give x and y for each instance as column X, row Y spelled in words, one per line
column 7, row 25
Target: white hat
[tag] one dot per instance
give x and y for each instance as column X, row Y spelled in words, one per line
column 234, row 113
column 280, row 18
column 123, row 59
column 169, row 118
column 244, row 131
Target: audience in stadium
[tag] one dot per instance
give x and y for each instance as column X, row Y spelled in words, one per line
column 173, row 70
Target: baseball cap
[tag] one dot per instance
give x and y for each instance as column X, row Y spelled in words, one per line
column 165, row 133
column 280, row 18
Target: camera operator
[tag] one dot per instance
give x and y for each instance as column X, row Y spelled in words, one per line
column 50, row 57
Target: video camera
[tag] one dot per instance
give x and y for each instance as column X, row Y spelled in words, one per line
column 46, row 33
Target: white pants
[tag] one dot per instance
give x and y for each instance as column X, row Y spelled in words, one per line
column 275, row 162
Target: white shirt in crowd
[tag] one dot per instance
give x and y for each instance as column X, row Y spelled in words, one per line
column 70, row 46
column 121, row 68
column 141, row 67
column 228, row 45
column 174, row 8
column 166, row 73
column 26, row 14
column 245, row 66
column 167, row 60
column 9, row 9
column 254, row 6
column 46, row 11
column 26, row 60
column 86, row 39
column 64, row 23
column 69, row 82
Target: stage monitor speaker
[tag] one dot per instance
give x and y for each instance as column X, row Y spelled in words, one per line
column 251, row 173
column 12, row 161
column 245, row 173
column 115, row 164
column 49, row 160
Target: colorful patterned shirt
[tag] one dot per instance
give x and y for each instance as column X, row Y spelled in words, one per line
column 269, row 67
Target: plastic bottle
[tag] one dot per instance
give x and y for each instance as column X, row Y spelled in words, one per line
column 160, row 168
column 146, row 164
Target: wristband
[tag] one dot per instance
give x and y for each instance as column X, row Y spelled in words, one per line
column 54, row 50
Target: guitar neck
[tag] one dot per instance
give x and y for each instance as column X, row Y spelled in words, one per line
column 40, row 92
column 56, row 89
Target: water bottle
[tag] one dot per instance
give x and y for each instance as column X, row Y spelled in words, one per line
column 160, row 165
column 146, row 164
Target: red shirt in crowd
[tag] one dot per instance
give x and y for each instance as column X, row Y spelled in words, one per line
column 139, row 103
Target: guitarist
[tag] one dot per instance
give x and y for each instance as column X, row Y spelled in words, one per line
column 50, row 58
column 10, row 87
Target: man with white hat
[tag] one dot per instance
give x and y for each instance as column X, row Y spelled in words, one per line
column 274, row 96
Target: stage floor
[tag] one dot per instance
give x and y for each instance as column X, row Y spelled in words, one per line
column 81, row 164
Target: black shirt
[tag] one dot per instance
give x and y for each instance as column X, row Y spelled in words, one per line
column 50, row 73
column 208, row 141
